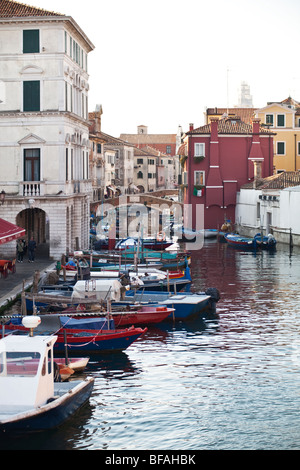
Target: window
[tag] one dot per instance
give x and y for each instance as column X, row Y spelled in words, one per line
column 270, row 119
column 199, row 178
column 31, row 164
column 31, row 96
column 168, row 150
column 298, row 148
column 139, row 161
column 31, row 41
column 281, row 120
column 258, row 210
column 98, row 148
column 280, row 148
column 72, row 164
column 67, row 164
column 23, row 364
column 140, row 175
column 199, row 150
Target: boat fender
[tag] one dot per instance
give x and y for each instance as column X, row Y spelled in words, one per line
column 161, row 236
column 214, row 293
column 161, row 309
column 57, row 376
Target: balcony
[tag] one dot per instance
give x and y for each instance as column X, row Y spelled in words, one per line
column 34, row 189
column 31, row 188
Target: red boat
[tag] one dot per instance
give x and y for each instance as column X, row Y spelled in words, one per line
column 79, row 340
column 141, row 316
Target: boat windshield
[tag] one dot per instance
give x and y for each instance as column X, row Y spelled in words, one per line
column 21, row 364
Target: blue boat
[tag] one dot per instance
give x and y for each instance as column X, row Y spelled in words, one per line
column 187, row 306
column 247, row 243
column 237, row 241
column 82, row 340
column 30, row 399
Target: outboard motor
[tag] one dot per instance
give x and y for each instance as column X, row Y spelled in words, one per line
column 214, row 298
column 214, row 293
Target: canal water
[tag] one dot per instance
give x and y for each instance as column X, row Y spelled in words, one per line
column 227, row 383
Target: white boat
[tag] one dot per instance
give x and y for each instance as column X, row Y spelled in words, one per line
column 30, row 399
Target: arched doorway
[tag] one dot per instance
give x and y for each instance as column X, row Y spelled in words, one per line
column 36, row 224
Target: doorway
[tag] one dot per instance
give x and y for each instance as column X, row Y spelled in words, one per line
column 36, row 224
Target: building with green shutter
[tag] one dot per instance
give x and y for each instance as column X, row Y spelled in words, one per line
column 44, row 133
column 283, row 118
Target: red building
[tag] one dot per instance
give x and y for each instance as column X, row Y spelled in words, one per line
column 220, row 157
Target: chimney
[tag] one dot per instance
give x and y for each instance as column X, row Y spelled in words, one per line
column 255, row 125
column 257, row 172
column 191, row 127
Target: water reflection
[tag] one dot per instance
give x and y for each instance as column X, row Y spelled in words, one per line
column 229, row 382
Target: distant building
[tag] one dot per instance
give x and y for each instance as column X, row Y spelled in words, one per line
column 96, row 157
column 245, row 98
column 283, row 118
column 165, row 145
column 44, row 133
column 111, row 163
column 271, row 205
column 245, row 114
column 153, row 170
column 217, row 160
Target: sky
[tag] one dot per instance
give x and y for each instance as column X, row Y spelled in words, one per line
column 161, row 63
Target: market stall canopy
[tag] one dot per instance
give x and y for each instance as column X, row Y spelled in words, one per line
column 10, row 232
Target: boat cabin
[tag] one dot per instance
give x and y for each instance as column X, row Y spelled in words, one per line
column 26, row 371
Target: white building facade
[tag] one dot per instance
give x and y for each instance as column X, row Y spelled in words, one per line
column 44, row 133
column 270, row 209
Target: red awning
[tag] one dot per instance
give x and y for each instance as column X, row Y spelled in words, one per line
column 10, row 232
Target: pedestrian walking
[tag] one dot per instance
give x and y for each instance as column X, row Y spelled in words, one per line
column 20, row 250
column 31, row 250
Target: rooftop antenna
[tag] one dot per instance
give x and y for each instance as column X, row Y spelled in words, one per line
column 227, row 91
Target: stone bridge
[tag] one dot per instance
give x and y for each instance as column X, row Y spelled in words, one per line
column 151, row 200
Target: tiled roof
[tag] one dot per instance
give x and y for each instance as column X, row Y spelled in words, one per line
column 182, row 150
column 11, row 9
column 149, row 138
column 245, row 114
column 232, row 125
column 281, row 180
column 150, row 152
column 287, row 102
column 110, row 140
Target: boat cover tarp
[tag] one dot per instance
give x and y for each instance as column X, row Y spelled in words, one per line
column 87, row 323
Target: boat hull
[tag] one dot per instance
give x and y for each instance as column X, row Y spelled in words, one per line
column 52, row 414
column 93, row 342
column 239, row 242
column 186, row 307
column 146, row 317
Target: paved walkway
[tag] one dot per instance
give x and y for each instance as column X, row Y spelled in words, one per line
column 12, row 285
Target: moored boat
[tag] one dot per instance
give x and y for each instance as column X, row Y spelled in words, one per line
column 187, row 305
column 267, row 242
column 30, row 399
column 237, row 241
column 81, row 340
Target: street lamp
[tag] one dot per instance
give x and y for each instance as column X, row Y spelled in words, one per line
column 2, row 197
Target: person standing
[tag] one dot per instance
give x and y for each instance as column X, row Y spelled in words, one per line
column 31, row 250
column 20, row 250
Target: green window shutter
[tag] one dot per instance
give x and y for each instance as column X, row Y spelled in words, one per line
column 280, row 120
column 280, row 148
column 31, row 41
column 31, row 96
